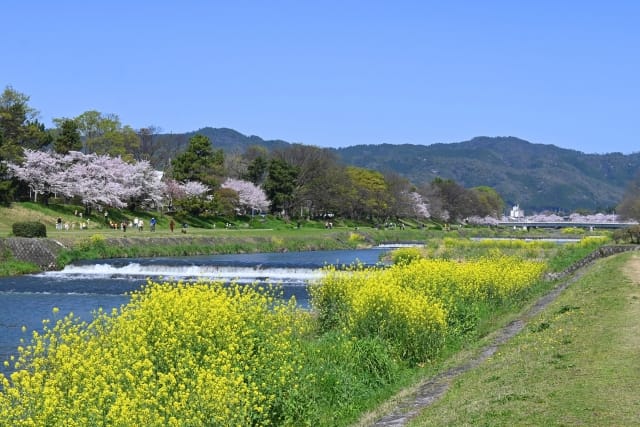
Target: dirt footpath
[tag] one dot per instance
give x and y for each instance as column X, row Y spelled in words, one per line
column 630, row 331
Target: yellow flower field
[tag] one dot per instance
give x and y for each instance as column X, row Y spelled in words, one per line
column 416, row 303
column 206, row 353
column 177, row 354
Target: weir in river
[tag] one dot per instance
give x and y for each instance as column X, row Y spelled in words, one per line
column 85, row 286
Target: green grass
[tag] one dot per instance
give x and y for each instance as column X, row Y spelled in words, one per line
column 576, row 363
column 9, row 266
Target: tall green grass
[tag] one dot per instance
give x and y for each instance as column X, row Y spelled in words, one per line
column 9, row 266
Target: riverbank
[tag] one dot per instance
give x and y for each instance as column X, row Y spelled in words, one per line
column 573, row 363
column 60, row 249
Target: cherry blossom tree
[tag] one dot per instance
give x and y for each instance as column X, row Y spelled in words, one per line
column 97, row 180
column 487, row 220
column 250, row 195
column 174, row 191
column 595, row 218
column 100, row 180
column 551, row 217
column 419, row 206
column 149, row 185
column 195, row 188
column 36, row 171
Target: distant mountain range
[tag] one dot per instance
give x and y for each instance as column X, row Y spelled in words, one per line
column 536, row 176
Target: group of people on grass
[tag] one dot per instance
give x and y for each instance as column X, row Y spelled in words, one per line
column 81, row 225
column 137, row 223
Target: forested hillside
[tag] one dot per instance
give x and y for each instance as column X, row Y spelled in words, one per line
column 167, row 146
column 537, row 176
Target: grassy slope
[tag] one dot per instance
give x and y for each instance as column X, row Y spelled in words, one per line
column 577, row 363
column 260, row 235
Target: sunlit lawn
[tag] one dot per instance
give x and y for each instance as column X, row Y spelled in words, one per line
column 577, row 363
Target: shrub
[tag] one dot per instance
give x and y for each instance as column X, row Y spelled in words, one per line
column 406, row 255
column 572, row 230
column 94, row 242
column 412, row 324
column 413, row 307
column 356, row 238
column 29, row 229
column 331, row 297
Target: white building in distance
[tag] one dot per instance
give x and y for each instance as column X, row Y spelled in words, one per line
column 516, row 212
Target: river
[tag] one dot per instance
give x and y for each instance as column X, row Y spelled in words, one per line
column 85, row 286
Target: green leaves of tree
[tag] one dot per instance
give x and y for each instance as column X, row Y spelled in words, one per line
column 199, row 162
column 68, row 138
column 281, row 184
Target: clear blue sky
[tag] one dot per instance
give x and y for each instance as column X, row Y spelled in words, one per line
column 337, row 73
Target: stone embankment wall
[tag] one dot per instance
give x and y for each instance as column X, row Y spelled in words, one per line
column 41, row 252
column 601, row 252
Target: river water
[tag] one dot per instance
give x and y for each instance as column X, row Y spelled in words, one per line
column 84, row 287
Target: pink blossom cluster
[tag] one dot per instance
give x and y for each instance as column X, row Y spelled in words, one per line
column 97, row 180
column 174, row 190
column 573, row 218
column 250, row 195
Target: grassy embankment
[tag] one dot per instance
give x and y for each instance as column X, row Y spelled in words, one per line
column 576, row 363
column 203, row 236
column 207, row 236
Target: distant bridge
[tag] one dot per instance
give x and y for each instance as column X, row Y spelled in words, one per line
column 563, row 224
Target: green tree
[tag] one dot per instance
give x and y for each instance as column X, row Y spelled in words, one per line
column 15, row 113
column 328, row 193
column 257, row 170
column 19, row 129
column 313, row 186
column 280, row 185
column 105, row 134
column 19, row 126
column 368, row 196
column 199, row 162
column 255, row 158
column 489, row 202
column 123, row 142
column 91, row 126
column 629, row 207
column 5, row 183
column 36, row 136
column 68, row 137
column 226, row 201
column 456, row 201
